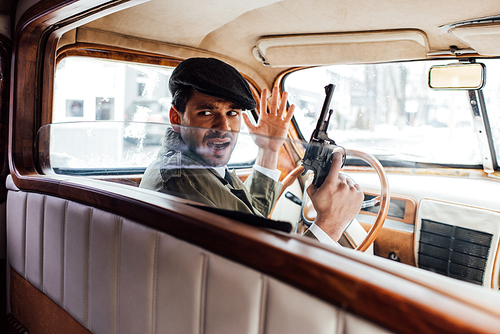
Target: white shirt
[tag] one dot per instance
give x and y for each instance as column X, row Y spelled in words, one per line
column 322, row 236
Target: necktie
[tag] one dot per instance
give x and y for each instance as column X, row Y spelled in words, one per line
column 227, row 177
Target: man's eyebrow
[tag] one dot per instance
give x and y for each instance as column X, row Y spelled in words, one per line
column 214, row 106
column 235, row 106
column 206, row 106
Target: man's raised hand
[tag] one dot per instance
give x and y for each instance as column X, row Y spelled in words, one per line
column 271, row 128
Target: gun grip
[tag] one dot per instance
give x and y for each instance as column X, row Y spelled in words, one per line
column 321, row 174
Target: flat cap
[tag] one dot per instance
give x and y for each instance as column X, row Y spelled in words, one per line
column 213, row 77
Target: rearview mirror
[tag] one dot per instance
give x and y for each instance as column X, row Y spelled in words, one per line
column 457, row 76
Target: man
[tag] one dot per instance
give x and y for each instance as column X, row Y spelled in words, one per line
column 209, row 97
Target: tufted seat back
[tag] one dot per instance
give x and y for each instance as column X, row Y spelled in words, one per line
column 114, row 275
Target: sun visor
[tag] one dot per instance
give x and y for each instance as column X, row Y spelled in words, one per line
column 484, row 38
column 354, row 47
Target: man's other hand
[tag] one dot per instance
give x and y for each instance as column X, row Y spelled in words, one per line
column 274, row 123
column 271, row 128
column 337, row 201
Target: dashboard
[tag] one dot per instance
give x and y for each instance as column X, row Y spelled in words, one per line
column 446, row 224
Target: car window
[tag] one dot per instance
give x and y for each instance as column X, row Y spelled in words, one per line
column 111, row 116
column 389, row 110
column 89, row 89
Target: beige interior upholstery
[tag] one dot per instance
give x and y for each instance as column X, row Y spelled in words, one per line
column 484, row 38
column 114, row 275
column 323, row 49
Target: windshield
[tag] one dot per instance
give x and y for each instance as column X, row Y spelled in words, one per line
column 388, row 110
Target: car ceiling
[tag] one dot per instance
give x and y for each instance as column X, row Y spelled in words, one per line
column 233, row 28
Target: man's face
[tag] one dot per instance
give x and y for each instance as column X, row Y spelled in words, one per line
column 214, row 144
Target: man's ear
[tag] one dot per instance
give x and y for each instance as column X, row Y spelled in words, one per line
column 175, row 118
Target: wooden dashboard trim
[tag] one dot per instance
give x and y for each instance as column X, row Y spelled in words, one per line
column 410, row 207
column 494, row 271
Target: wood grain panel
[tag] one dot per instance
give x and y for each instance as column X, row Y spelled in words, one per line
column 129, row 180
column 393, row 241
column 114, row 53
column 37, row 312
column 410, row 208
column 5, row 55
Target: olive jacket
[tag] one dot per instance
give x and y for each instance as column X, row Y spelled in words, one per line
column 180, row 172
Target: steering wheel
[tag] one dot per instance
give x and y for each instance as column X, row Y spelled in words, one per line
column 383, row 198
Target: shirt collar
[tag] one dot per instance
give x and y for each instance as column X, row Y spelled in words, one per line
column 221, row 170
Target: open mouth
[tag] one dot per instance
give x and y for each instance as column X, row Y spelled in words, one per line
column 218, row 145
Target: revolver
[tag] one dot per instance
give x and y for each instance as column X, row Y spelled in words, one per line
column 319, row 153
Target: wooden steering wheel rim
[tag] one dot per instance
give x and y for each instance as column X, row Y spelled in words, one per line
column 384, row 194
column 385, row 197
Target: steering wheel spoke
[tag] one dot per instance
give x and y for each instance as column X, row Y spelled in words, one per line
column 370, row 202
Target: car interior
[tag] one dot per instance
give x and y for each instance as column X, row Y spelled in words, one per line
column 414, row 107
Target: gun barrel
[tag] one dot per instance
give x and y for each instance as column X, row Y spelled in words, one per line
column 324, row 117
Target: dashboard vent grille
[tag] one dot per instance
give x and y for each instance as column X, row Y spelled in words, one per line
column 453, row 251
